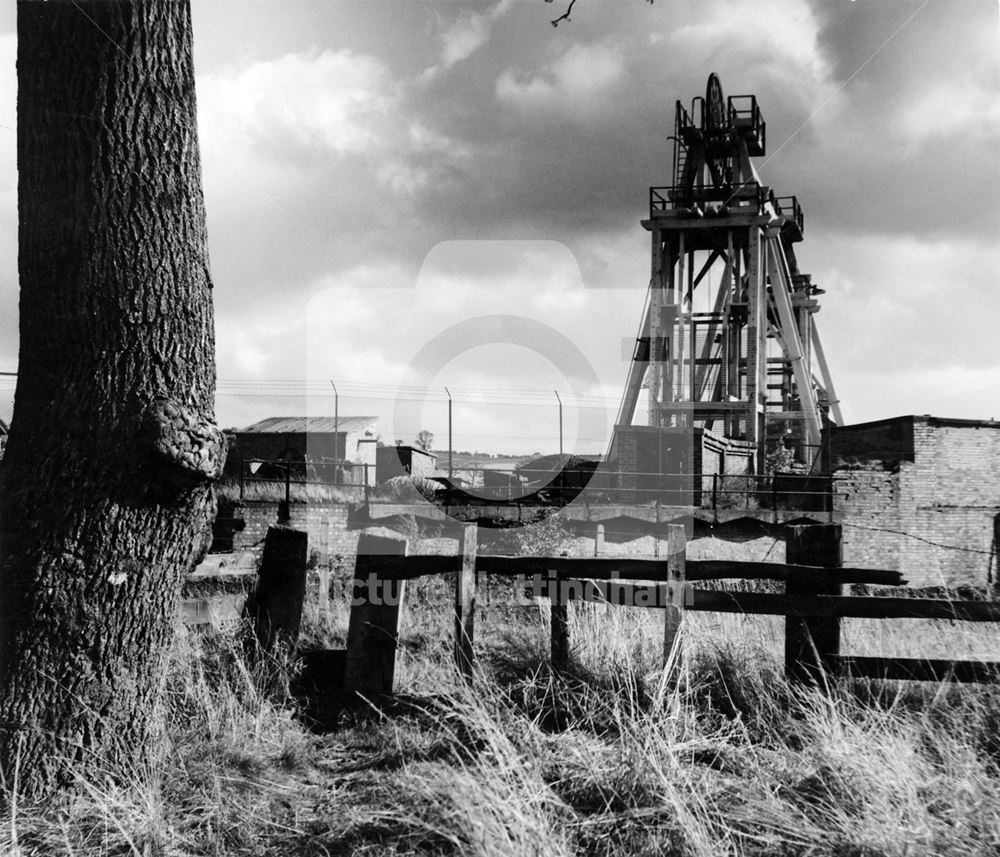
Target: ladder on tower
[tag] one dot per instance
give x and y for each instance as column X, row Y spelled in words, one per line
column 682, row 126
column 680, row 163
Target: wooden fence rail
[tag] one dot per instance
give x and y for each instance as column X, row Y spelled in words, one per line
column 629, row 568
column 813, row 603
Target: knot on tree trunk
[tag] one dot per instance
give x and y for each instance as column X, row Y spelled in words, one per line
column 189, row 446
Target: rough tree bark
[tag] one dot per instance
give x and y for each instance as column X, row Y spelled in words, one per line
column 106, row 496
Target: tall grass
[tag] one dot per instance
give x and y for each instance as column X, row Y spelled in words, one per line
column 273, row 491
column 613, row 757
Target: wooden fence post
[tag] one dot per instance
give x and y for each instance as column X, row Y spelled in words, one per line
column 324, row 569
column 676, row 547
column 812, row 643
column 373, row 630
column 465, row 602
column 276, row 605
column 560, row 623
column 995, row 579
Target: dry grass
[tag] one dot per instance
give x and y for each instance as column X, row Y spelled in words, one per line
column 298, row 492
column 720, row 757
column 399, row 489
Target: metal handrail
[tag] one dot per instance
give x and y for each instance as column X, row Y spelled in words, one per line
column 748, row 117
column 676, row 197
column 788, row 206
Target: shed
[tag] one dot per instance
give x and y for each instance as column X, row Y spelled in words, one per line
column 333, row 449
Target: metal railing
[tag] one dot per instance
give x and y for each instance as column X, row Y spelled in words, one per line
column 748, row 197
column 745, row 115
column 788, row 206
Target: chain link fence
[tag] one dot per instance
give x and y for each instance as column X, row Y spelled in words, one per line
column 489, row 441
column 461, row 428
column 496, row 422
column 355, row 436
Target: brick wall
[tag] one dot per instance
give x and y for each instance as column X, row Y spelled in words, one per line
column 932, row 517
column 627, row 459
column 721, row 454
column 717, row 455
column 758, row 549
column 869, row 501
column 952, row 495
column 696, row 451
column 325, row 523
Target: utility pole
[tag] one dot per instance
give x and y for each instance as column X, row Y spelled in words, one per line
column 560, row 422
column 450, row 470
column 336, row 435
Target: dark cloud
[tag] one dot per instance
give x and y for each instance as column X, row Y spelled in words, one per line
column 900, row 146
column 344, row 141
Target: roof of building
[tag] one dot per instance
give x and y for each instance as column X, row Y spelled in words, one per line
column 925, row 418
column 310, row 425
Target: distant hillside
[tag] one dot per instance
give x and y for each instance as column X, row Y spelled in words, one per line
column 480, row 460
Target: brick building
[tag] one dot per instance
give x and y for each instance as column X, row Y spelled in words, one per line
column 317, row 445
column 391, row 461
column 671, row 465
column 920, row 494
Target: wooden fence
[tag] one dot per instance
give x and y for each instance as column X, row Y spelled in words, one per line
column 813, row 603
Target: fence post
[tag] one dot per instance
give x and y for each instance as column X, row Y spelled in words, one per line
column 812, row 643
column 465, row 602
column 275, row 607
column 676, row 548
column 370, row 660
column 285, row 507
column 657, row 540
column 996, row 551
column 715, row 497
column 559, row 612
column 324, row 569
column 599, row 540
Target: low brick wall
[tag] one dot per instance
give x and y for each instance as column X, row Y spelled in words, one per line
column 335, row 546
column 325, row 523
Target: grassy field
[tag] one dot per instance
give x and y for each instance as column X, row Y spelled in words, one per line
column 608, row 759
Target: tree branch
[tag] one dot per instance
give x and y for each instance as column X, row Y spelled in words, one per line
column 565, row 15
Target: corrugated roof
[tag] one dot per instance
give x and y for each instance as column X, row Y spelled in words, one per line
column 312, row 425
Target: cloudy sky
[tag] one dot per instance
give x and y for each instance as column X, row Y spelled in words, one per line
column 381, row 172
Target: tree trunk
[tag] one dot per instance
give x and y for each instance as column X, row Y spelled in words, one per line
column 106, row 496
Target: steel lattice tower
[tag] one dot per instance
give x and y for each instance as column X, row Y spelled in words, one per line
column 749, row 364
